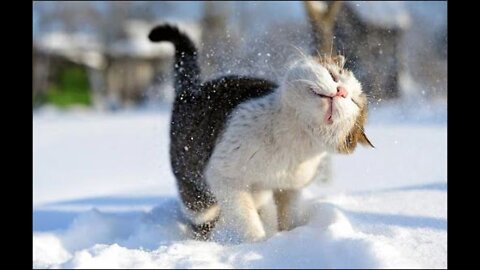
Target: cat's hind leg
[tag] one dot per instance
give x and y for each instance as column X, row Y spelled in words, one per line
column 289, row 209
column 201, row 222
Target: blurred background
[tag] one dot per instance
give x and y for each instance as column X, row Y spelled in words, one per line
column 102, row 91
column 96, row 55
column 101, row 102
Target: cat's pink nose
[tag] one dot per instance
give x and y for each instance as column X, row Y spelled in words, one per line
column 341, row 92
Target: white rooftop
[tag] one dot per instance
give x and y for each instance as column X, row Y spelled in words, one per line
column 89, row 50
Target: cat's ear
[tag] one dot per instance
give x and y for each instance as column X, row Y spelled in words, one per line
column 339, row 60
column 364, row 140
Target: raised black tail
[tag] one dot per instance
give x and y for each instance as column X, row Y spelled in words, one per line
column 187, row 70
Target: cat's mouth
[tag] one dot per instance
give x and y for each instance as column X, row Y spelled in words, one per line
column 320, row 95
column 329, row 113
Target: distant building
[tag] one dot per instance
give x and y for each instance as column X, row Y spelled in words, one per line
column 57, row 52
column 119, row 75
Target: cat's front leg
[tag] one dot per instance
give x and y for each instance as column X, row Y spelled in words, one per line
column 267, row 210
column 289, row 208
column 239, row 217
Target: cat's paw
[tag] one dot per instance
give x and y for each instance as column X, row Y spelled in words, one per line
column 294, row 218
column 234, row 235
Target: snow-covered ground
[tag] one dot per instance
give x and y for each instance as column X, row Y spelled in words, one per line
column 104, row 196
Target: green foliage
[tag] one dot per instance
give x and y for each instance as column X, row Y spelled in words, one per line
column 72, row 88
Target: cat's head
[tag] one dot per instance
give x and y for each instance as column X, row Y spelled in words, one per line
column 329, row 100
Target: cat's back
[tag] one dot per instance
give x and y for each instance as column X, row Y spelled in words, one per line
column 196, row 126
column 205, row 118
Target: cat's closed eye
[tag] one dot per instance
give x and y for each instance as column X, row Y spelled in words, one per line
column 334, row 77
column 313, row 89
column 355, row 102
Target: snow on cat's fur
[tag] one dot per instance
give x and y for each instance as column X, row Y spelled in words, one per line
column 241, row 162
column 272, row 147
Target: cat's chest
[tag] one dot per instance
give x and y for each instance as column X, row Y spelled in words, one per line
column 300, row 172
column 287, row 171
column 306, row 170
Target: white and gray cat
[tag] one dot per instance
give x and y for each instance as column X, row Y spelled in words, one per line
column 243, row 148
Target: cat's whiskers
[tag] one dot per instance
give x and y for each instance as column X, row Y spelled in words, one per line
column 331, row 47
column 310, row 83
column 300, row 51
column 318, row 53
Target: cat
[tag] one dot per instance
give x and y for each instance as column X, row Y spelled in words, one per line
column 242, row 148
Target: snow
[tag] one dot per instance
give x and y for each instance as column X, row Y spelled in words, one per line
column 105, row 197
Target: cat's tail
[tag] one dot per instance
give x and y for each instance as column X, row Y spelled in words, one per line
column 186, row 68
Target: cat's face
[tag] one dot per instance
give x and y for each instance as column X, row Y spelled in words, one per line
column 329, row 99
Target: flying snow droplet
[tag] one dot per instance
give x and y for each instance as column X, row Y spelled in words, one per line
column 259, row 54
column 186, row 148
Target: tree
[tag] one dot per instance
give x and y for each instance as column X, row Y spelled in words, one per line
column 322, row 17
column 214, row 36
